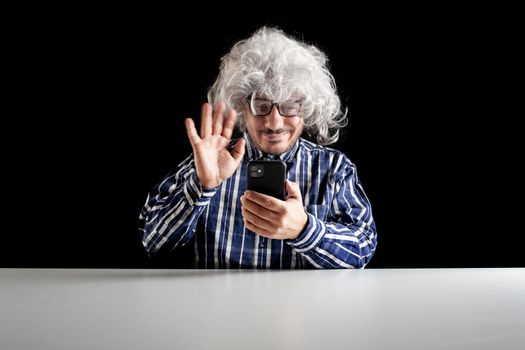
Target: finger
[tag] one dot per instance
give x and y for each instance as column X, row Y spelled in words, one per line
column 218, row 118
column 206, row 120
column 293, row 190
column 258, row 210
column 256, row 220
column 229, row 123
column 192, row 132
column 238, row 150
column 266, row 201
column 258, row 230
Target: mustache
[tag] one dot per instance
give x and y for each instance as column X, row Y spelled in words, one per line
column 274, row 132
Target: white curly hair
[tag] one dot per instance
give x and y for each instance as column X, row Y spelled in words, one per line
column 280, row 67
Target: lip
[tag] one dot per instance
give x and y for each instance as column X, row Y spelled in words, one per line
column 274, row 137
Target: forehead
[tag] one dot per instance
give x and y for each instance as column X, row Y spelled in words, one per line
column 262, row 96
column 266, row 97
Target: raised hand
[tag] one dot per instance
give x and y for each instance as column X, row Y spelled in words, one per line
column 213, row 161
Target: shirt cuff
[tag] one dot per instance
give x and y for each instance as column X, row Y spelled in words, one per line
column 310, row 236
column 195, row 193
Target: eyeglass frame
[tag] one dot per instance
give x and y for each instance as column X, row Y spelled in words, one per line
column 249, row 100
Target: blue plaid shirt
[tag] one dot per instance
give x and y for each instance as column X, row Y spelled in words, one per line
column 340, row 232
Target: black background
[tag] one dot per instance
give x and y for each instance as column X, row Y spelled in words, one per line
column 99, row 103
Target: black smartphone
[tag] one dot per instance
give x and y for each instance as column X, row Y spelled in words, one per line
column 267, row 176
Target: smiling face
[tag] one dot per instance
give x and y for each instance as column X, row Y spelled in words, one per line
column 273, row 133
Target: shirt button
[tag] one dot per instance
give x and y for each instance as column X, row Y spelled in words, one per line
column 261, row 245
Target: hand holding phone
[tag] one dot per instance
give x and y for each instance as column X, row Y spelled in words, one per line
column 267, row 177
column 283, row 219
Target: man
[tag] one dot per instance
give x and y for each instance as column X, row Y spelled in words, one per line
column 273, row 88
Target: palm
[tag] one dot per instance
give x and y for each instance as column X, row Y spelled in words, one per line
column 213, row 161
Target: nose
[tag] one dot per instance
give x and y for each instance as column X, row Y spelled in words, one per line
column 274, row 120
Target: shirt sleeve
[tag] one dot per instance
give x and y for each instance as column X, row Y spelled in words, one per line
column 169, row 217
column 342, row 234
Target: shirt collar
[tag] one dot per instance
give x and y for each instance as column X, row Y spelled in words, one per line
column 253, row 153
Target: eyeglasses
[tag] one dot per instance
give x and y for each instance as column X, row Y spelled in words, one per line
column 261, row 107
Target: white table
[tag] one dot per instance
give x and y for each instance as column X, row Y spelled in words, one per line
column 219, row 309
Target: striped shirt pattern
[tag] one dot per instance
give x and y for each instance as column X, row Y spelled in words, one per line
column 340, row 232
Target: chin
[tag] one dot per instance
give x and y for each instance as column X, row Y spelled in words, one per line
column 275, row 149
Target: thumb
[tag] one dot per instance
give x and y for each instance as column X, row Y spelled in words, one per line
column 238, row 150
column 293, row 190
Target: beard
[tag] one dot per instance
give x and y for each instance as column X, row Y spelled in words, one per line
column 275, row 141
